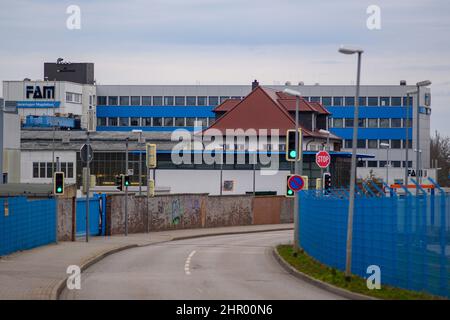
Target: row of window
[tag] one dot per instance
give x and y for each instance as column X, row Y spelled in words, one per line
column 363, row 101
column 153, row 122
column 162, row 100
column 383, row 164
column 44, row 169
column 73, row 97
column 377, row 144
column 371, row 123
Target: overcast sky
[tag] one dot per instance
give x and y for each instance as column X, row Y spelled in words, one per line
column 234, row 42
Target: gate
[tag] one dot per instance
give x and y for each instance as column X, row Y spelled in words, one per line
column 95, row 216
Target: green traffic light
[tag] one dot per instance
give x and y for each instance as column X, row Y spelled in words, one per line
column 290, row 192
column 59, row 190
column 293, row 153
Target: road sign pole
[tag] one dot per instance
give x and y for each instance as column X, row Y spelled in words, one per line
column 126, row 187
column 296, row 171
column 88, row 182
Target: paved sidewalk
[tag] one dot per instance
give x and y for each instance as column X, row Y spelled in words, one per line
column 40, row 273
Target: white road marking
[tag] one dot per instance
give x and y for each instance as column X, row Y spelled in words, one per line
column 188, row 262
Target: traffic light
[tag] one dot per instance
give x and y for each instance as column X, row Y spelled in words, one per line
column 58, row 183
column 327, row 182
column 126, row 181
column 151, row 155
column 289, row 192
column 119, row 182
column 291, row 152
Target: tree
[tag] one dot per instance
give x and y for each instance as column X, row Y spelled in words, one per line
column 440, row 151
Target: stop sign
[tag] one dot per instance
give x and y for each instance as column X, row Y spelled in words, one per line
column 323, row 159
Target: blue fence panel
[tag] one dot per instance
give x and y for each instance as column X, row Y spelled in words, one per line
column 408, row 237
column 94, row 216
column 27, row 223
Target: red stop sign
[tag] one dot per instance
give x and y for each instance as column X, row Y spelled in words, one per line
column 323, row 159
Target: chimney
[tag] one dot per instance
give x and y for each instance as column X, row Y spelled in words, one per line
column 255, row 84
column 403, row 82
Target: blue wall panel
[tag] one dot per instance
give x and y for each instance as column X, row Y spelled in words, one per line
column 155, row 111
column 372, row 133
column 370, row 112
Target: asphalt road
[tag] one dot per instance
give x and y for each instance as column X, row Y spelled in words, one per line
column 219, row 267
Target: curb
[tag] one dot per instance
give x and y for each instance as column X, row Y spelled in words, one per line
column 318, row 283
column 57, row 290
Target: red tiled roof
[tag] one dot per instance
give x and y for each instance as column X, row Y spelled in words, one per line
column 227, row 105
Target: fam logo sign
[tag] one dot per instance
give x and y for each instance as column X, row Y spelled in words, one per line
column 35, row 92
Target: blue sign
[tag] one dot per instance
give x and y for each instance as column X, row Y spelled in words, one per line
column 38, row 104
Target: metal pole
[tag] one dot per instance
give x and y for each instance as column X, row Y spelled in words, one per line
column 54, row 129
column 88, row 183
column 2, row 136
column 126, row 187
column 418, row 136
column 329, row 150
column 221, row 168
column 408, row 97
column 140, row 164
column 296, row 171
column 148, row 198
column 254, row 175
column 387, row 166
column 351, row 204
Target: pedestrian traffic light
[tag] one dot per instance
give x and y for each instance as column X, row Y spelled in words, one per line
column 151, row 155
column 289, row 192
column 119, row 182
column 58, row 183
column 327, row 182
column 126, row 181
column 291, row 150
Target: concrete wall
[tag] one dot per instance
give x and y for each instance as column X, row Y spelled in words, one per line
column 65, row 224
column 182, row 211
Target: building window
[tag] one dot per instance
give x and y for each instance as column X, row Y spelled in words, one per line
column 338, row 123
column 405, row 101
column 348, row 144
column 179, row 122
column 326, row 101
column 134, row 122
column 101, row 122
column 190, row 122
column 135, row 101
column 213, row 101
column 372, row 164
column 337, row 101
column 157, row 101
column 361, row 144
column 112, row 100
column 407, row 122
column 124, row 122
column 202, row 122
column 385, row 142
column 385, row 101
column 363, row 101
column 147, row 122
column 146, row 101
column 168, row 122
column 211, row 121
column 73, row 97
column 168, row 101
column 396, row 123
column 372, row 144
column 383, row 164
column 201, row 101
column 157, row 122
column 49, row 170
column 409, row 143
column 362, row 123
column 63, row 167
column 223, row 98
column 396, row 101
column 350, row 101
column 396, row 164
column 372, row 101
column 101, row 100
column 372, row 123
column 349, row 123
column 112, row 122
column 124, row 101
column 180, row 101
column 35, row 169
column 361, row 164
column 409, row 164
column 396, row 144
column 70, row 170
column 190, row 101
column 315, row 99
column 384, row 123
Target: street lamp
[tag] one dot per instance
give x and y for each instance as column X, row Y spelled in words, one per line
column 407, row 126
column 386, row 146
column 140, row 158
column 420, row 84
column 351, row 204
column 297, row 170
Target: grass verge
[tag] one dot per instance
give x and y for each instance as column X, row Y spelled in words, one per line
column 307, row 265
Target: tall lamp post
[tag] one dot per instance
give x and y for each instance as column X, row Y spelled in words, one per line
column 140, row 158
column 297, row 170
column 408, row 125
column 386, row 146
column 419, row 85
column 351, row 204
